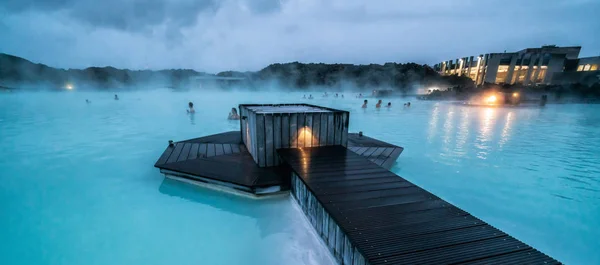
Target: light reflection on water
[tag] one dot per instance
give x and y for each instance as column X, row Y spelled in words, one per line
column 76, row 176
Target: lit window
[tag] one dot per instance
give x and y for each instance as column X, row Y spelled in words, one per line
column 580, row 68
column 501, row 74
column 587, row 67
column 522, row 73
column 594, row 67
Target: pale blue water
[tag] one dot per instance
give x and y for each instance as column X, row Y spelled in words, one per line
column 77, row 184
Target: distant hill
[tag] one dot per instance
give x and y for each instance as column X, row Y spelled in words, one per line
column 17, row 72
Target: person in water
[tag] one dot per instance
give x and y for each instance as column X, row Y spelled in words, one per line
column 233, row 115
column 310, row 96
column 389, row 105
column 116, row 97
column 87, row 101
column 364, row 106
column 304, row 96
column 378, row 105
column 342, row 95
column 191, row 108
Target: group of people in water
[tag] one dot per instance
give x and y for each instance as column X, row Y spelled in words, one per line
column 360, row 95
column 324, row 95
column 378, row 105
column 233, row 115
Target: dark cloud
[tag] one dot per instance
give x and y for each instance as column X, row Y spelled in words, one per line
column 215, row 35
column 128, row 15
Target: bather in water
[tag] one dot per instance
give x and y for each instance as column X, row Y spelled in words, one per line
column 364, row 106
column 233, row 115
column 191, row 109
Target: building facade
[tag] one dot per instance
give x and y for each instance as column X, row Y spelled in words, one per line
column 527, row 67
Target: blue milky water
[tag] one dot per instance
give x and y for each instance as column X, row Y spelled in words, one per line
column 77, row 184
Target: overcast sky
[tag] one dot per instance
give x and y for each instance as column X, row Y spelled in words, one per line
column 217, row 35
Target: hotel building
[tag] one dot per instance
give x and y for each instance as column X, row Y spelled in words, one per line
column 527, row 67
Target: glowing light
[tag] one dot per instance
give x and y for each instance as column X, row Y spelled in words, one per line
column 305, row 137
column 69, row 86
column 515, row 95
column 491, row 99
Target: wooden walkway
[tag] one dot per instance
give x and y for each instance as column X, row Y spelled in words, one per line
column 223, row 157
column 390, row 220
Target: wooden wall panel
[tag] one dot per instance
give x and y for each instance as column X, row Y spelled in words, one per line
column 269, row 139
column 316, row 133
column 294, row 130
column 285, row 130
column 260, row 140
column 277, row 131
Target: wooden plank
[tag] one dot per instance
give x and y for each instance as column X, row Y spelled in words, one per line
column 210, row 150
column 353, row 148
column 277, row 131
column 235, row 148
column 293, row 130
column 387, row 152
column 185, row 152
column 269, row 146
column 219, row 150
column 316, row 129
column 285, row 131
column 389, row 162
column 330, row 130
column 252, row 147
column 345, row 124
column 337, row 125
column 308, row 130
column 165, row 156
column 260, row 140
column 194, row 151
column 377, row 152
column 301, row 129
column 243, row 124
column 175, row 154
column 227, row 149
column 361, row 150
column 202, row 150
column 323, row 130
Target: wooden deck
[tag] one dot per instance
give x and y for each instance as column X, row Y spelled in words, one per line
column 381, row 218
column 381, row 153
column 224, row 158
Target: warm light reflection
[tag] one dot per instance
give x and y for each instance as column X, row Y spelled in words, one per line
column 491, row 99
column 515, row 95
column 463, row 132
column 485, row 133
column 448, row 129
column 304, row 156
column 433, row 123
column 305, row 137
column 506, row 130
column 69, row 86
